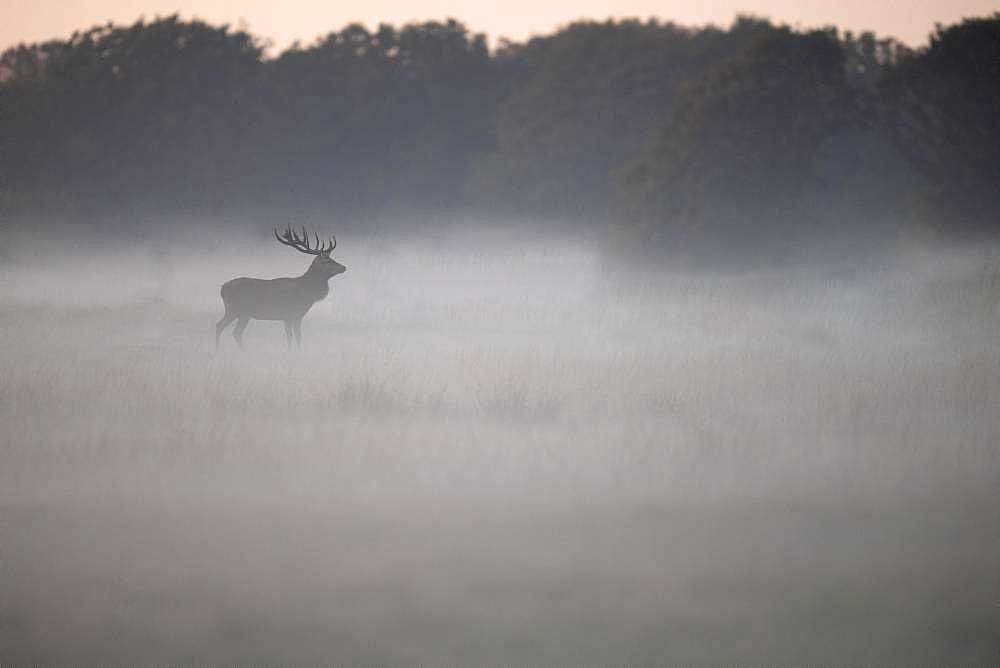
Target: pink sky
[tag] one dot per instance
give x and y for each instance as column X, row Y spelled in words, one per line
column 286, row 21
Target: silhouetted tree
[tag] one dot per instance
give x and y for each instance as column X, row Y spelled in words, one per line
column 587, row 102
column 745, row 140
column 943, row 109
column 158, row 111
column 384, row 119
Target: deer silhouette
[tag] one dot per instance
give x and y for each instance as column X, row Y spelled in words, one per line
column 287, row 299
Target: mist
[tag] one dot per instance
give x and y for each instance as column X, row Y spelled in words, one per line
column 498, row 447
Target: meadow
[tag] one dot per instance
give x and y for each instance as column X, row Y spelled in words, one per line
column 493, row 450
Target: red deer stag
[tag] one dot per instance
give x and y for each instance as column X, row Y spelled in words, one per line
column 287, row 299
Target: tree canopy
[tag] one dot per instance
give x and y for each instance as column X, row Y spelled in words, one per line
column 651, row 125
column 943, row 110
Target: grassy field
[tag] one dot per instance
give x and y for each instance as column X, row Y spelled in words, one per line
column 490, row 453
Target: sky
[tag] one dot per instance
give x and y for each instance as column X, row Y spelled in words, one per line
column 304, row 20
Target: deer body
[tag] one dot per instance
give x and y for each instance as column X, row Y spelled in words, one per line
column 287, row 299
column 274, row 299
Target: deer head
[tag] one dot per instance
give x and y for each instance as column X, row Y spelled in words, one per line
column 322, row 265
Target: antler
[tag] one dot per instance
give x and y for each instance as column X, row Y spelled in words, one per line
column 301, row 244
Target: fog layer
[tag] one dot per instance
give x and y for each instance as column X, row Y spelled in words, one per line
column 499, row 450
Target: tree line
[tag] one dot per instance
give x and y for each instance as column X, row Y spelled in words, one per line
column 754, row 130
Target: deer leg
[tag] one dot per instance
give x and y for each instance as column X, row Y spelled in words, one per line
column 238, row 331
column 297, row 329
column 288, row 333
column 222, row 324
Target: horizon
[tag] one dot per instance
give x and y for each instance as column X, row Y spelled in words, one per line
column 282, row 26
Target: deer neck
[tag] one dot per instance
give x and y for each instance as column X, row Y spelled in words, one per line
column 314, row 275
column 317, row 285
